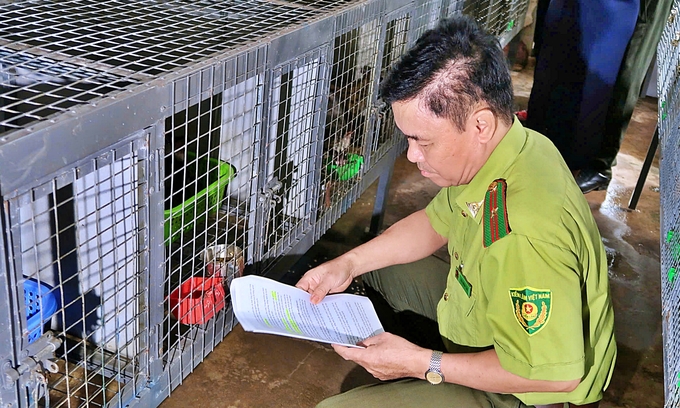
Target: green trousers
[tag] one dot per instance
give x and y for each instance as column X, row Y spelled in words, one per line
column 636, row 61
column 413, row 291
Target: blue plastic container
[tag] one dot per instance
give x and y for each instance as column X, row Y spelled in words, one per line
column 40, row 306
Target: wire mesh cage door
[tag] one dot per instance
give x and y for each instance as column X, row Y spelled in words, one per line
column 452, row 7
column 210, row 175
column 349, row 113
column 667, row 58
column 289, row 197
column 426, row 16
column 9, row 344
column 493, row 15
column 668, row 88
column 394, row 42
column 78, row 244
column 517, row 10
column 670, row 261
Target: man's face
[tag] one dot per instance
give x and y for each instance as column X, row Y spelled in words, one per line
column 442, row 153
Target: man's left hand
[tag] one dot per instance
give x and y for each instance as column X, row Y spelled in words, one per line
column 388, row 357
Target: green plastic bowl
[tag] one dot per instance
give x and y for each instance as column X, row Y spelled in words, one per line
column 348, row 170
column 182, row 217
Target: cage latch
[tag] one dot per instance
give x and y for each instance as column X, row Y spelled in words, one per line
column 269, row 191
column 379, row 109
column 268, row 200
column 36, row 358
column 269, row 197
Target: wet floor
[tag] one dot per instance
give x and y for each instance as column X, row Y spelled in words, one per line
column 257, row 370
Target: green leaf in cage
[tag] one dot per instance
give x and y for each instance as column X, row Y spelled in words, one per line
column 511, row 25
column 664, row 113
column 672, row 272
column 673, row 242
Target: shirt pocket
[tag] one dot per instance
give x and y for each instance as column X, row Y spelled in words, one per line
column 459, row 297
column 456, row 315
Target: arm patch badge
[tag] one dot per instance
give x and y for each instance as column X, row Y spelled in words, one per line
column 496, row 224
column 531, row 308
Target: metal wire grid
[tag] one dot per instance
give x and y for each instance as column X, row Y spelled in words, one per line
column 210, row 180
column 396, row 43
column 292, row 159
column 219, row 118
column 36, row 87
column 451, row 7
column 427, row 15
column 516, row 13
column 667, row 48
column 348, row 119
column 496, row 16
column 489, row 13
column 55, row 54
column 668, row 59
column 670, row 261
column 81, row 234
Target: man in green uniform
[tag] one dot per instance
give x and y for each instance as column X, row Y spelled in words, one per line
column 526, row 294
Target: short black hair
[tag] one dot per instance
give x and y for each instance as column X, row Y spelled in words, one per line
column 453, row 67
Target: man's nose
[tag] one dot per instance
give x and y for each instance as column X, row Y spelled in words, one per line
column 414, row 154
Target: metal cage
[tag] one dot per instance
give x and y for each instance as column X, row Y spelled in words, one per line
column 668, row 61
column 151, row 151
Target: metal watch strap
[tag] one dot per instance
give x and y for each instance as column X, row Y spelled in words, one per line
column 435, row 368
column 436, row 361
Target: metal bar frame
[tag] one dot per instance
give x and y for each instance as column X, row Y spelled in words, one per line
column 35, row 157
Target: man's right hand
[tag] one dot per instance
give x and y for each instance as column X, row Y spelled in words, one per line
column 331, row 277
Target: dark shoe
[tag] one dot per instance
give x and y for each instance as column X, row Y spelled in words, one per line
column 593, row 180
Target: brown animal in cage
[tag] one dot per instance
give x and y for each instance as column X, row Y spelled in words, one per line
column 356, row 100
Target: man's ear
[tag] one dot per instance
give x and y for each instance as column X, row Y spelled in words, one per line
column 483, row 122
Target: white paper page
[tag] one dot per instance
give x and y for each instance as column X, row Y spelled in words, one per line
column 264, row 305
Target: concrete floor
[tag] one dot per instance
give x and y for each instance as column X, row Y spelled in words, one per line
column 257, row 370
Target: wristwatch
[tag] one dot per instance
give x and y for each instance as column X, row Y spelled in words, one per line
column 434, row 374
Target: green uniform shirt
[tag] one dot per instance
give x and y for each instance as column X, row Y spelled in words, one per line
column 540, row 293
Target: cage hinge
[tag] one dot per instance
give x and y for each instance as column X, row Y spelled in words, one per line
column 34, row 359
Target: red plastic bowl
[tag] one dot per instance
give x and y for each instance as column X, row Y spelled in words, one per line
column 197, row 300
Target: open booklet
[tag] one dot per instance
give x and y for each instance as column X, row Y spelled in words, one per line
column 264, row 305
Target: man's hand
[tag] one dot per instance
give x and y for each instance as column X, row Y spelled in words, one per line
column 331, row 277
column 388, row 357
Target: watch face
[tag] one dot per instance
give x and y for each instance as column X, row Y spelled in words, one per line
column 433, row 377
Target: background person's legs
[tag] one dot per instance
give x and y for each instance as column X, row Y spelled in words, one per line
column 639, row 54
column 583, row 45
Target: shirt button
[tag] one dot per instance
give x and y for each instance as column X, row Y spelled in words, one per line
column 455, row 255
column 463, row 213
column 446, row 297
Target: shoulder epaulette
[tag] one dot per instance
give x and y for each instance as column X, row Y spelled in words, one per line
column 496, row 224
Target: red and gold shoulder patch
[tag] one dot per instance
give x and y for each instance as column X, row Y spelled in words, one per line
column 496, row 224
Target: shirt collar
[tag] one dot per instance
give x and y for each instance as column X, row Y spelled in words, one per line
column 471, row 195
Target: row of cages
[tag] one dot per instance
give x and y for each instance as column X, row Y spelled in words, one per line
column 151, row 151
column 668, row 87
